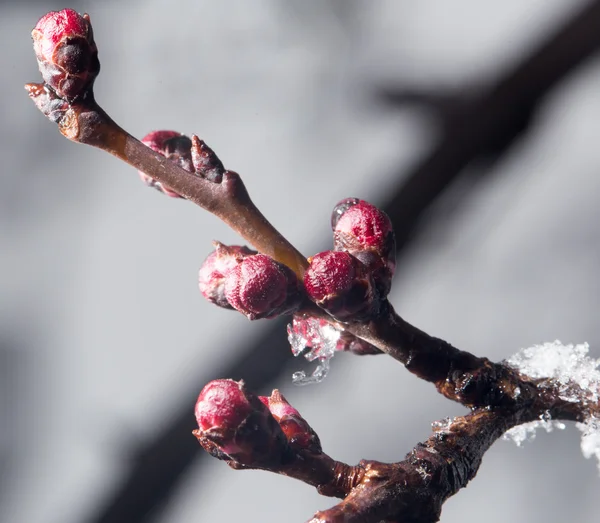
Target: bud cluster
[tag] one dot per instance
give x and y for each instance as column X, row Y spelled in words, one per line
column 251, row 431
column 352, row 281
column 235, row 277
column 236, row 426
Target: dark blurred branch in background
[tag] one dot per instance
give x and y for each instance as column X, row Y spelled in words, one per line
column 484, row 126
column 480, row 127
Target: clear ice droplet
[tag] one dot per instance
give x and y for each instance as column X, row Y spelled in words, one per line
column 321, row 338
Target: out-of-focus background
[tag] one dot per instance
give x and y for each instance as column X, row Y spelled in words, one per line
column 474, row 123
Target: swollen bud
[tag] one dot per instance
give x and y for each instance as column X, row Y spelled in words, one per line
column 213, row 272
column 259, row 287
column 234, row 425
column 339, row 283
column 366, row 232
column 174, row 146
column 362, row 226
column 66, row 53
column 297, row 431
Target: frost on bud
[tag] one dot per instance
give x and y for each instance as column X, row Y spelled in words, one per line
column 339, row 283
column 66, row 53
column 366, row 232
column 235, row 426
column 259, row 287
column 212, row 274
column 297, row 431
column 174, row 146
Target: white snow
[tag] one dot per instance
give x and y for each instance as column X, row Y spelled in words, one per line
column 567, row 364
column 526, row 432
column 578, row 377
column 590, row 438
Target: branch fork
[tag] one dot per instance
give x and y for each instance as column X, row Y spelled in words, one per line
column 347, row 288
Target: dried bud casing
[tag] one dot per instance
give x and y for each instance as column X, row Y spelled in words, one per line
column 235, row 426
column 206, row 162
column 176, row 147
column 213, row 272
column 339, row 283
column 67, row 55
column 259, row 287
column 297, row 431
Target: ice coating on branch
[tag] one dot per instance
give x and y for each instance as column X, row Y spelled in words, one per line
column 590, row 438
column 569, row 365
column 526, row 431
column 321, row 338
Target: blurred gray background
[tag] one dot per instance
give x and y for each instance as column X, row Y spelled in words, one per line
column 104, row 339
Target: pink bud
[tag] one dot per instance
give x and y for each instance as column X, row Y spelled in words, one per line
column 366, row 232
column 222, row 405
column 174, row 146
column 259, row 287
column 338, row 282
column 362, row 227
column 67, row 55
column 211, row 277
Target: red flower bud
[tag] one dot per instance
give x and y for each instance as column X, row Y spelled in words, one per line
column 174, row 146
column 362, row 227
column 234, row 425
column 66, row 53
column 211, row 277
column 222, row 404
column 339, row 283
column 259, row 287
column 366, row 232
column 297, row 431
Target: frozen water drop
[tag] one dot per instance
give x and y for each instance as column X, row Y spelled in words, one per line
column 321, row 338
column 296, row 340
column 318, row 375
